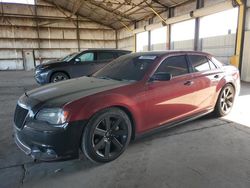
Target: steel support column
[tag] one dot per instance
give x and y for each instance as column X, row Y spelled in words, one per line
column 38, row 33
column 134, row 38
column 116, row 39
column 170, row 15
column 237, row 58
column 149, row 40
column 197, row 47
column 78, row 34
column 150, row 21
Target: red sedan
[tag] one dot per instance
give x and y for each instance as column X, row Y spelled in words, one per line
column 129, row 97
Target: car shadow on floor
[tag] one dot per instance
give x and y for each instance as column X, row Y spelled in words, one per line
column 39, row 170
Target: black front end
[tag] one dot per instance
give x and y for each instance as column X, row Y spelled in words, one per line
column 43, row 141
column 42, row 76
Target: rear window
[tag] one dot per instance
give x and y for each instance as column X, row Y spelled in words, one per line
column 199, row 63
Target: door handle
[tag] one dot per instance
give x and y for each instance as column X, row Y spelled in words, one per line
column 216, row 76
column 188, row 83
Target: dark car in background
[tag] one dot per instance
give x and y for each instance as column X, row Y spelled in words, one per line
column 76, row 64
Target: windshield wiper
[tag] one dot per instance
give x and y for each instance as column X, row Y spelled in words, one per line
column 117, row 79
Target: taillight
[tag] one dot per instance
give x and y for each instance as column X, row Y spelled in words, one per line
column 236, row 75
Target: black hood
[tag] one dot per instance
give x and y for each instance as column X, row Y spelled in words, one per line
column 63, row 92
column 50, row 63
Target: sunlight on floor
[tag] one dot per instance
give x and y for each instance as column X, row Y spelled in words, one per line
column 241, row 110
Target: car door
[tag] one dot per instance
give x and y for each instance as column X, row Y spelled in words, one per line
column 206, row 76
column 174, row 99
column 84, row 64
column 102, row 58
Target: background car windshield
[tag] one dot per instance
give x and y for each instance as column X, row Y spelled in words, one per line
column 128, row 67
column 69, row 57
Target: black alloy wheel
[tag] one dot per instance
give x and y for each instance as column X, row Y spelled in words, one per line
column 107, row 135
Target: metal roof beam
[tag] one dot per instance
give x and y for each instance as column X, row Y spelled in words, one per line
column 158, row 2
column 61, row 9
column 156, row 13
column 117, row 13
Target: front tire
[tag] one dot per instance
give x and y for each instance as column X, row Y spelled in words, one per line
column 225, row 101
column 58, row 76
column 106, row 135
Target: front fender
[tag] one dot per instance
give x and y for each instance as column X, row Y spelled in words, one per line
column 84, row 109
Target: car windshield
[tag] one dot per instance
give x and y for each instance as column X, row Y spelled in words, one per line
column 130, row 67
column 69, row 57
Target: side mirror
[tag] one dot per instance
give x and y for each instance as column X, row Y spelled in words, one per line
column 162, row 76
column 77, row 60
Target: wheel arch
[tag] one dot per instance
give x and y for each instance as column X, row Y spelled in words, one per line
column 131, row 117
column 86, row 108
column 57, row 71
column 129, row 114
column 224, row 81
column 232, row 84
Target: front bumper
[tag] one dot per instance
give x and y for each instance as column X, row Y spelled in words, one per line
column 46, row 143
column 42, row 77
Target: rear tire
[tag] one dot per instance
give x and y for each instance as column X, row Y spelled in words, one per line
column 106, row 135
column 225, row 101
column 58, row 76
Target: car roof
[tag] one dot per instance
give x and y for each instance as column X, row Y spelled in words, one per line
column 106, row 49
column 150, row 53
column 171, row 52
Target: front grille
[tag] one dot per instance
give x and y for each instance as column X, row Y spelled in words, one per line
column 20, row 115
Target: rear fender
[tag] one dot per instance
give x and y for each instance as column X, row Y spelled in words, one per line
column 228, row 78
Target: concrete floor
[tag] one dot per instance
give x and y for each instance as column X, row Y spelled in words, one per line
column 204, row 153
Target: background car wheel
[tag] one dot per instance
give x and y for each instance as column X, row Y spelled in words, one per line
column 225, row 101
column 106, row 135
column 59, row 76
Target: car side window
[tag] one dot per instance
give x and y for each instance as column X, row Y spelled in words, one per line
column 89, row 56
column 122, row 53
column 199, row 63
column 176, row 65
column 105, row 56
column 212, row 65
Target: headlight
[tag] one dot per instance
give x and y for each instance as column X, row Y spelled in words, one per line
column 41, row 68
column 37, row 71
column 44, row 67
column 54, row 116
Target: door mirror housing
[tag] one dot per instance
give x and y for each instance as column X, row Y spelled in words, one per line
column 77, row 60
column 162, row 76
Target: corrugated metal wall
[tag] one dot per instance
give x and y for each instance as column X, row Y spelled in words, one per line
column 182, row 45
column 125, row 39
column 55, row 37
column 222, row 47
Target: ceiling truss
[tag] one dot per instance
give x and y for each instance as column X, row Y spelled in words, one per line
column 115, row 13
